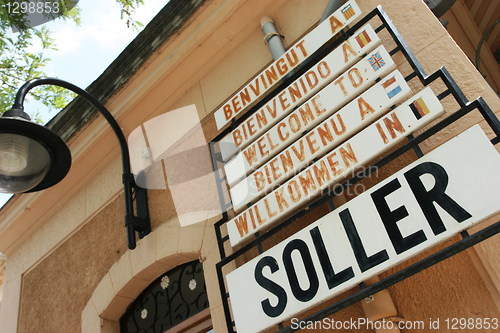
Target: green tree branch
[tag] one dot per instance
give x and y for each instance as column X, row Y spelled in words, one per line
column 18, row 64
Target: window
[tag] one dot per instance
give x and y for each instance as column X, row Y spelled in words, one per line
column 169, row 301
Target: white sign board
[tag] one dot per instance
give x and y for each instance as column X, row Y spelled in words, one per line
column 359, row 113
column 329, row 68
column 337, row 164
column 353, row 82
column 287, row 62
column 445, row 192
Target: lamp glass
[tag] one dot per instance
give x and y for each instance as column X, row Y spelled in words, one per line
column 24, row 162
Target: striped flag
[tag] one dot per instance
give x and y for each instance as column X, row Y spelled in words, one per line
column 363, row 39
column 391, row 87
column 419, row 108
column 348, row 12
column 376, row 61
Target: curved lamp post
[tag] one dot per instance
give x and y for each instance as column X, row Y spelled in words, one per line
column 33, row 158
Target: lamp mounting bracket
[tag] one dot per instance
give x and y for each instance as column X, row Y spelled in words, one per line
column 141, row 222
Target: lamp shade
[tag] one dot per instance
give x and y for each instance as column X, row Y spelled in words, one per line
column 32, row 157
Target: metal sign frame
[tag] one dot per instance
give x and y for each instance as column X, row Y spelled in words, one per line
column 452, row 89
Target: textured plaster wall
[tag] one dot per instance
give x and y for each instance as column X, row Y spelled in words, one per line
column 56, row 291
column 89, row 273
column 467, row 35
column 95, row 195
column 3, row 266
column 450, row 289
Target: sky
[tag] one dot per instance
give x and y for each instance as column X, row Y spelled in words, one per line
column 85, row 51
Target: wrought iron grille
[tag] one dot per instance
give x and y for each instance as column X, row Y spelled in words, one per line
column 174, row 297
column 451, row 91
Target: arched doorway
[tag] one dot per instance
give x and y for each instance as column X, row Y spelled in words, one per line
column 175, row 302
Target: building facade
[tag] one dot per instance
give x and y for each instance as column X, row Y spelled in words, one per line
column 68, row 264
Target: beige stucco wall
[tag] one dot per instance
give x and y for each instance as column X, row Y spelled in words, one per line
column 467, row 35
column 74, row 268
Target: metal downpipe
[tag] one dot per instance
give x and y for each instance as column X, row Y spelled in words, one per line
column 272, row 37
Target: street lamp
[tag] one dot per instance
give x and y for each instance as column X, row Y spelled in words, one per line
column 33, row 158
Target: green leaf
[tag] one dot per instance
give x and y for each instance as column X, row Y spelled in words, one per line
column 18, row 65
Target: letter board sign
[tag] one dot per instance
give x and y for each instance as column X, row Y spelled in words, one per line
column 335, row 165
column 327, row 69
column 431, row 200
column 335, row 95
column 359, row 113
column 297, row 53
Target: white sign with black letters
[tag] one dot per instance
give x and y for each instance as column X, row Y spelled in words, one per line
column 449, row 190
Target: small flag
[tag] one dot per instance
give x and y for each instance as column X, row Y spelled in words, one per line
column 419, row 108
column 391, row 87
column 348, row 12
column 376, row 61
column 363, row 39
